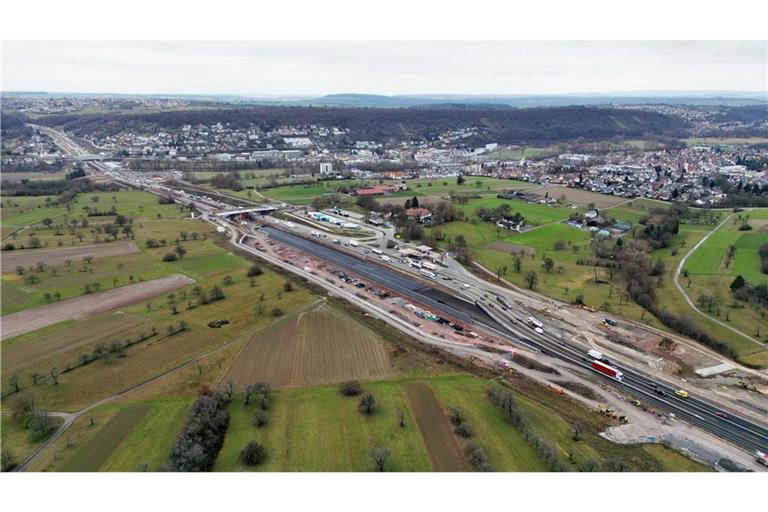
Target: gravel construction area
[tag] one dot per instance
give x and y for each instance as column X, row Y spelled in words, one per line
column 28, row 257
column 87, row 305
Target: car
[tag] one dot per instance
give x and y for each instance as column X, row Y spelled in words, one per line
column 721, row 415
column 681, row 393
column 661, row 392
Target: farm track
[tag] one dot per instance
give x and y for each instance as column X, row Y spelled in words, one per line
column 442, row 447
column 87, row 305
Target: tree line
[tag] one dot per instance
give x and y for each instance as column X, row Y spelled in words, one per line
column 394, row 125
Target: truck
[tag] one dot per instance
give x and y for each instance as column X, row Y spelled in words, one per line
column 427, row 273
column 535, row 322
column 429, row 266
column 377, row 251
column 354, row 243
column 594, row 354
column 610, row 371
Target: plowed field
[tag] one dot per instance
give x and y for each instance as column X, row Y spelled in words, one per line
column 319, row 346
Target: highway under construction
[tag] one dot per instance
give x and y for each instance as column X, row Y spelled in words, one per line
column 485, row 313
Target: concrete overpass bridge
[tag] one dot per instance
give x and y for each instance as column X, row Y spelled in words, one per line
column 259, row 210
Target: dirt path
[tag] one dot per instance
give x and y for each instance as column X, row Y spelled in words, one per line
column 87, row 305
column 441, row 444
column 10, row 259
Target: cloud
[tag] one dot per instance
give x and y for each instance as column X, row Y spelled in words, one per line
column 419, row 67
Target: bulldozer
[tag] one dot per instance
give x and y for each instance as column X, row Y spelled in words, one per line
column 608, row 411
column 743, row 385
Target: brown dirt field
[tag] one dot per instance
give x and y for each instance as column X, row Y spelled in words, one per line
column 319, row 346
column 34, row 352
column 578, row 196
column 443, row 449
column 88, row 305
column 511, row 248
column 10, row 259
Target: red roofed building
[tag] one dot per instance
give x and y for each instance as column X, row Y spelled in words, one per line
column 420, row 215
column 379, row 190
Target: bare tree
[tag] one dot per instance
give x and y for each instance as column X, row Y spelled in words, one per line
column 248, row 393
column 229, row 390
column 367, row 404
column 401, row 418
column 14, row 382
column 54, row 373
column 379, row 457
column 531, row 279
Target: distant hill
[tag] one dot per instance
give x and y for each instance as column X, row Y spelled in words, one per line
column 503, row 125
column 529, row 101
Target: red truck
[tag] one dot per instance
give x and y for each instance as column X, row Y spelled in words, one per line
column 607, row 370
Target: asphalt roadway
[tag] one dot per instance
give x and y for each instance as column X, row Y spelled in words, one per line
column 738, row 430
column 452, row 307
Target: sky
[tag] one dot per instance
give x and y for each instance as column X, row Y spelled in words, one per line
column 311, row 68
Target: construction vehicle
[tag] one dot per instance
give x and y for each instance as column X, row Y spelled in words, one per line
column 743, row 385
column 608, row 411
column 681, row 393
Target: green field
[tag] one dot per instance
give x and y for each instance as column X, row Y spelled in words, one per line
column 535, row 214
column 297, row 440
column 23, row 211
column 423, row 187
column 303, row 194
column 15, row 439
column 710, row 271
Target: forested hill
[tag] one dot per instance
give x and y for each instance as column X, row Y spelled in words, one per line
column 392, row 125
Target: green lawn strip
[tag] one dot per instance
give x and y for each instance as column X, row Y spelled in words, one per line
column 671, row 461
column 149, row 442
column 505, row 447
column 92, row 455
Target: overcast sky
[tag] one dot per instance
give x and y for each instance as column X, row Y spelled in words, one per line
column 315, row 68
